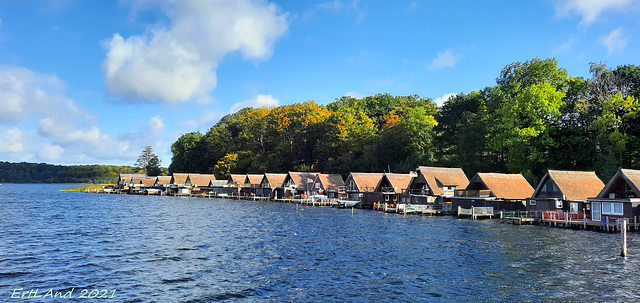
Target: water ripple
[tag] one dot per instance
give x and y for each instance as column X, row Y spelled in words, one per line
column 166, row 249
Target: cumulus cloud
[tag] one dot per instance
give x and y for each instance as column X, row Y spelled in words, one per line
column 156, row 124
column 177, row 63
column 614, row 41
column 51, row 152
column 11, row 140
column 23, row 92
column 39, row 123
column 441, row 100
column 444, row 59
column 589, row 9
column 256, row 101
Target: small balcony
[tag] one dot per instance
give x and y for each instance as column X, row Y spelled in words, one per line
column 483, row 193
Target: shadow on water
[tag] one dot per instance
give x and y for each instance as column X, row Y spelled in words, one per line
column 168, row 249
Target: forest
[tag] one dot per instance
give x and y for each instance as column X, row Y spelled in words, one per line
column 47, row 173
column 536, row 117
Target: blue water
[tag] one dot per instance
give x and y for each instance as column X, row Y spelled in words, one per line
column 168, row 249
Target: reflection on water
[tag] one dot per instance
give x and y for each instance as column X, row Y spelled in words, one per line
column 169, row 249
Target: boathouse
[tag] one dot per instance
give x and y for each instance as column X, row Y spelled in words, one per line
column 565, row 190
column 251, row 185
column 235, row 179
column 234, row 184
column 327, row 185
column 296, row 184
column 435, row 187
column 124, row 180
column 507, row 192
column 620, row 198
column 393, row 188
column 361, row 187
column 163, row 183
column 219, row 188
column 269, row 184
column 177, row 183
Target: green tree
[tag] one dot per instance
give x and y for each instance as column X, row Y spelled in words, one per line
column 149, row 162
column 523, row 110
column 186, row 153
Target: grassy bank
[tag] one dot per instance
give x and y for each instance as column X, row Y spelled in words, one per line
column 83, row 188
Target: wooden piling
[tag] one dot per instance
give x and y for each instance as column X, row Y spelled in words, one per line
column 623, row 235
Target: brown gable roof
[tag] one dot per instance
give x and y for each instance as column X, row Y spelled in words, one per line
column 129, row 177
column 275, row 180
column 366, row 182
column 149, row 181
column 443, row 176
column 505, row 186
column 575, row 185
column 162, row 180
column 236, row 179
column 331, row 181
column 302, row 179
column 179, row 178
column 399, row 182
column 253, row 179
column 200, row 179
column 630, row 176
column 137, row 179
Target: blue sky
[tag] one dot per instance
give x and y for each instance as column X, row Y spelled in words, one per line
column 94, row 82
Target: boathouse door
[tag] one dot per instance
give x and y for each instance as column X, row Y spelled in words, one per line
column 596, row 211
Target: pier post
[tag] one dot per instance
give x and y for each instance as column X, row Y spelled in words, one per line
column 623, row 235
column 352, row 210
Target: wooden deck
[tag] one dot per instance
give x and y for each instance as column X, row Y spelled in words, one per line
column 476, row 212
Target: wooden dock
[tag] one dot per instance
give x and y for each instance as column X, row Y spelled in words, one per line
column 476, row 212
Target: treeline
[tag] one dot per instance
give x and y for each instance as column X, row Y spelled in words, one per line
column 46, row 173
column 536, row 117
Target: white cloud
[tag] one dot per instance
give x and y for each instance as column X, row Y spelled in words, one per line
column 205, row 120
column 156, row 124
column 354, row 95
column 11, row 141
column 51, row 152
column 256, row 101
column 444, row 59
column 614, row 41
column 441, row 100
column 23, row 93
column 589, row 9
column 178, row 63
column 38, row 123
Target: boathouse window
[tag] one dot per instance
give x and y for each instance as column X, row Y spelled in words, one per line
column 317, row 185
column 395, row 198
column 386, row 197
column 609, row 208
column 532, row 202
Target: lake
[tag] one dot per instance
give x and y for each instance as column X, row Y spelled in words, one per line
column 125, row 248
